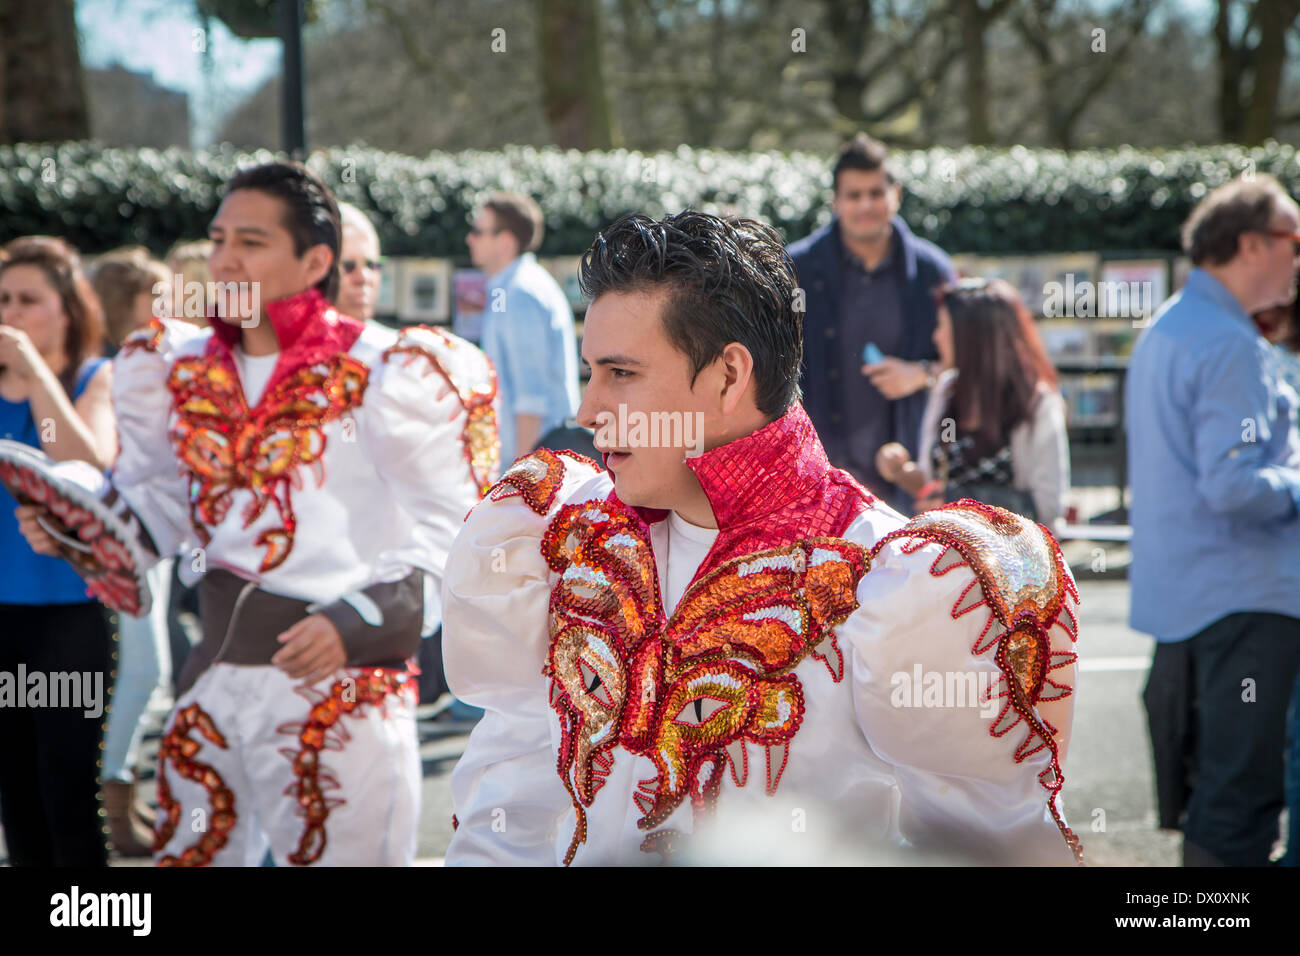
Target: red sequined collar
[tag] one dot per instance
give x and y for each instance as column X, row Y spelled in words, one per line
column 773, row 486
column 307, row 326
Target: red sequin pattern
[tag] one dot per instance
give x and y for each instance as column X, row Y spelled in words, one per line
column 537, row 478
column 1022, row 579
column 688, row 692
column 322, row 731
column 179, row 748
column 479, row 439
column 227, row 447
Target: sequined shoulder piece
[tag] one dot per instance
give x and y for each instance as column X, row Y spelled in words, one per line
column 471, row 376
column 1022, row 581
column 537, row 478
column 147, row 338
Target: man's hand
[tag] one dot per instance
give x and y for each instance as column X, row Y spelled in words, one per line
column 36, row 536
column 895, row 377
column 312, row 649
column 890, row 460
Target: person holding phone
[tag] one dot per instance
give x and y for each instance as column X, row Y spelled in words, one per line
column 868, row 320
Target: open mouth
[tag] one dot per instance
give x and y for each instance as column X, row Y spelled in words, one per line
column 614, row 458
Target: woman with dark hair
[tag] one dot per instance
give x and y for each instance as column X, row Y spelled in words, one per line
column 994, row 427
column 55, row 395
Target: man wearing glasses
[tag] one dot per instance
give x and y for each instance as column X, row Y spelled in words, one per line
column 527, row 325
column 359, row 265
column 1214, row 467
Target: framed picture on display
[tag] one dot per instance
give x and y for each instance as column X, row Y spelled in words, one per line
column 425, row 291
column 390, row 281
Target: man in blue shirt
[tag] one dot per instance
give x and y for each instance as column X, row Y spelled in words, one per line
column 527, row 324
column 1214, row 467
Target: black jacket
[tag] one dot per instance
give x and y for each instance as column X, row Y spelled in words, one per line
column 922, row 267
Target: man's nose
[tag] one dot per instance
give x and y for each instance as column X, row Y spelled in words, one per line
column 589, row 407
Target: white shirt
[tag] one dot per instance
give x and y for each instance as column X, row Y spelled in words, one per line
column 254, row 373
column 688, row 546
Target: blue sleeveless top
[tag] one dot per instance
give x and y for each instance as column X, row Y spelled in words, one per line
column 25, row 576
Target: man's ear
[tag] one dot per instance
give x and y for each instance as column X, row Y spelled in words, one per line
column 736, row 367
column 319, row 259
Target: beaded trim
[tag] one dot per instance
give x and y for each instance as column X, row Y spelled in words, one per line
column 227, row 447
column 1022, row 578
column 147, row 338
column 319, row 732
column 479, row 439
column 178, row 747
column 690, row 691
column 537, row 478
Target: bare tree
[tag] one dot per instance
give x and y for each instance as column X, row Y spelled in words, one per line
column 1251, row 60
column 1076, row 55
column 42, row 85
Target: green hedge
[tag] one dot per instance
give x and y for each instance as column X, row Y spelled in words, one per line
column 967, row 200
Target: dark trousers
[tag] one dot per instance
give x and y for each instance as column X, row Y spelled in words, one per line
column 1217, row 705
column 50, row 756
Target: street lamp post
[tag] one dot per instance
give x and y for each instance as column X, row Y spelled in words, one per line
column 293, row 114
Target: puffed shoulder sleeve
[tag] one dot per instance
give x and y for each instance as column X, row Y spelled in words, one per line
column 962, row 666
column 507, row 795
column 429, row 423
column 146, row 472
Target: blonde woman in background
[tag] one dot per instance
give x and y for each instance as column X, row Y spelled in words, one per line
column 129, row 283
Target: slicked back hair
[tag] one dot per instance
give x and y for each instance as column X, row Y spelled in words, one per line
column 311, row 212
column 727, row 280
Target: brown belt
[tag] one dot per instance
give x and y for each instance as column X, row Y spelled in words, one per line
column 241, row 623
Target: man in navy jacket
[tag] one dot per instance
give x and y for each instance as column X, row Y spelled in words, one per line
column 867, row 280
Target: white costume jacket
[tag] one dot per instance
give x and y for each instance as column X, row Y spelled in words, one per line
column 354, row 469
column 835, row 684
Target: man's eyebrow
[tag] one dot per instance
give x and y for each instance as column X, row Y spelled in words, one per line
column 616, row 360
column 248, row 230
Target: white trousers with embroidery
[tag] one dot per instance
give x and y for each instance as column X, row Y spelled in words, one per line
column 247, row 768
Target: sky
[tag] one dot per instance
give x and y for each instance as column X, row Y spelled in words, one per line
column 164, row 39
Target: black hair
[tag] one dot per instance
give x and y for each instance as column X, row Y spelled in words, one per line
column 728, row 280
column 862, row 153
column 311, row 213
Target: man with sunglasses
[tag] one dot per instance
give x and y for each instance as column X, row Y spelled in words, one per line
column 1214, row 467
column 527, row 325
column 359, row 265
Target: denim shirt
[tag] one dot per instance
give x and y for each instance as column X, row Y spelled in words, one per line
column 528, row 334
column 1214, row 468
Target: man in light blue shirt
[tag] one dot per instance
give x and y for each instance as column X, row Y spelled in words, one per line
column 527, row 324
column 1214, row 468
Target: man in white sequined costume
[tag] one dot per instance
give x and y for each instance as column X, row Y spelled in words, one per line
column 317, row 469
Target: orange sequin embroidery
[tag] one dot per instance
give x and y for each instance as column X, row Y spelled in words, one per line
column 227, row 447
column 536, row 477
column 319, row 732
column 147, row 338
column 1021, row 577
column 179, row 748
column 690, row 691
column 479, row 439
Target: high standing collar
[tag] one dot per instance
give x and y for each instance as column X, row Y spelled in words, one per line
column 763, row 473
column 308, row 328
